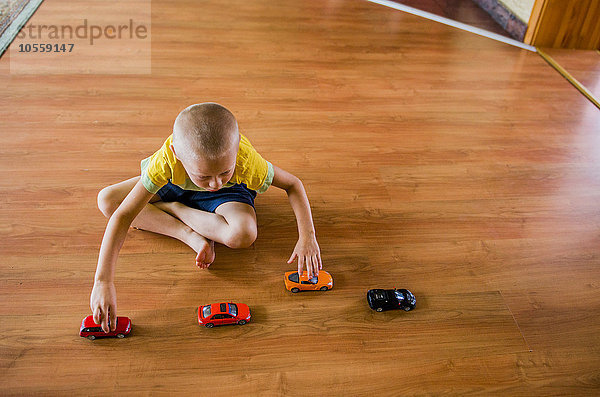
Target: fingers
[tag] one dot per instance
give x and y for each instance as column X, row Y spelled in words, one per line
column 291, row 260
column 97, row 315
column 104, row 322
column 113, row 319
column 301, row 265
column 106, row 317
column 314, row 265
column 294, row 255
column 310, row 267
column 101, row 318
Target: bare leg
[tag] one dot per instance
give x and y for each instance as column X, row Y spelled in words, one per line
column 233, row 224
column 154, row 220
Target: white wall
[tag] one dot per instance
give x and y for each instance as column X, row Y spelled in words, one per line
column 521, row 8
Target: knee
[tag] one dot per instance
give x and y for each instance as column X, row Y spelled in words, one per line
column 242, row 236
column 107, row 202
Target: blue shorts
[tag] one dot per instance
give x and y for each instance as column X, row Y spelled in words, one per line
column 205, row 200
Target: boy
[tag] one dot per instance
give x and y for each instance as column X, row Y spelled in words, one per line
column 199, row 187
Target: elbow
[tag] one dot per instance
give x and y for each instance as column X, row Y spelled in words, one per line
column 295, row 185
column 107, row 202
column 121, row 217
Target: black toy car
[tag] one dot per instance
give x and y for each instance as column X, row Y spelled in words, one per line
column 387, row 299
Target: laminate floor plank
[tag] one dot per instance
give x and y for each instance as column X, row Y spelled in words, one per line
column 583, row 65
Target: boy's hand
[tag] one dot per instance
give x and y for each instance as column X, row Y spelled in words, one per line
column 103, row 303
column 308, row 253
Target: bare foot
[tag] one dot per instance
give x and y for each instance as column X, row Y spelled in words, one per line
column 204, row 247
column 206, row 258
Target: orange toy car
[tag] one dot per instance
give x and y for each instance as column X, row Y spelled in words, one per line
column 295, row 283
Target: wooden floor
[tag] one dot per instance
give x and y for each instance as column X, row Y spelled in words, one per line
column 478, row 191
column 583, row 65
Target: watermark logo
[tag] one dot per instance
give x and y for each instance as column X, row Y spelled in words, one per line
column 83, row 31
column 85, row 37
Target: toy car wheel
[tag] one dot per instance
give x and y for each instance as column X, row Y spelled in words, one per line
column 407, row 309
column 379, row 309
column 120, row 336
column 242, row 322
column 209, row 325
column 91, row 337
column 324, row 288
column 294, row 290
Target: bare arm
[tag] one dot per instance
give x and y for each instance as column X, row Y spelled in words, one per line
column 307, row 249
column 103, row 300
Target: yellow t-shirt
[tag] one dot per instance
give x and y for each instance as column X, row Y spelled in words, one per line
column 162, row 167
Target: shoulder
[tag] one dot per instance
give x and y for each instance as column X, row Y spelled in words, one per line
column 251, row 168
column 245, row 142
column 166, row 147
column 246, row 151
column 165, row 153
column 160, row 167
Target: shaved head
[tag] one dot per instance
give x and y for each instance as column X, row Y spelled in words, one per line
column 205, row 131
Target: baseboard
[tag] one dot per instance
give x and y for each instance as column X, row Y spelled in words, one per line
column 15, row 26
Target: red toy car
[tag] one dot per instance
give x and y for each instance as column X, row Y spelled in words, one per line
column 89, row 329
column 223, row 314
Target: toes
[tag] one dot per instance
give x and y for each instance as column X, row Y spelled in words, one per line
column 203, row 265
column 206, row 255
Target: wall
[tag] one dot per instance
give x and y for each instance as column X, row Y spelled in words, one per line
column 520, row 8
